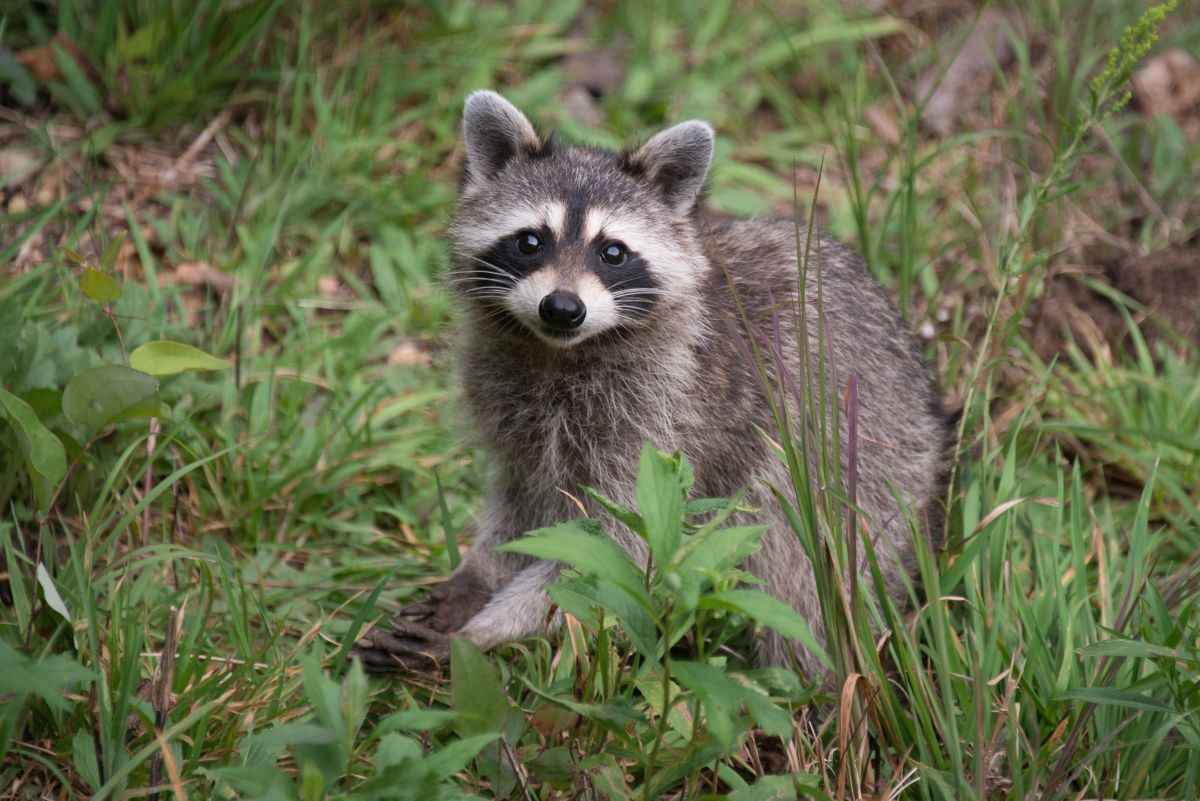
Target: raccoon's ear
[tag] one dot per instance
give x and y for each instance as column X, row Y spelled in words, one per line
column 495, row 132
column 676, row 159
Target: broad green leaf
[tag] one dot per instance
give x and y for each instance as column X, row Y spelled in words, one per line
column 477, row 697
column 100, row 287
column 774, row 720
column 573, row 544
column 767, row 788
column 769, row 611
column 109, row 393
column 291, row 734
column 660, row 501
column 630, row 612
column 352, row 701
column 43, row 453
column 169, row 358
column 721, row 549
column 721, row 697
column 704, row 506
column 650, row 685
column 617, row 712
column 414, row 720
column 396, row 749
column 83, row 749
column 53, row 599
column 313, row 781
column 452, row 758
column 622, row 513
column 724, row 695
column 21, row 675
column 257, row 782
column 327, row 759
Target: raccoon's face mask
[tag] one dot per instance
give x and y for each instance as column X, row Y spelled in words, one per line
column 570, row 242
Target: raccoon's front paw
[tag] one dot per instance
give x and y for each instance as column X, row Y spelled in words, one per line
column 448, row 606
column 410, row 647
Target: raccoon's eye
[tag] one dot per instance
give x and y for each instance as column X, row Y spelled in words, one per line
column 528, row 242
column 613, row 253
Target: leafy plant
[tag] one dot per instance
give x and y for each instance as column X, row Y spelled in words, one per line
column 686, row 596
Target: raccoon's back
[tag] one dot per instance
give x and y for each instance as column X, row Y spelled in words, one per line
column 903, row 434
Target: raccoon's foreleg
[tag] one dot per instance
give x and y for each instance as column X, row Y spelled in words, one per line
column 418, row 637
column 518, row 610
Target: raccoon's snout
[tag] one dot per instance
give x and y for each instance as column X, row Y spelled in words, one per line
column 562, row 311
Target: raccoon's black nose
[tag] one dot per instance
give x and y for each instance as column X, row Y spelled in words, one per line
column 562, row 311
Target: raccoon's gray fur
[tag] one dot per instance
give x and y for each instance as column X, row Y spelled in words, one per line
column 561, row 402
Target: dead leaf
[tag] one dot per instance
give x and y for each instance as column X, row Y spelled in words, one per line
column 410, row 354
column 201, row 273
column 329, row 287
column 17, row 165
column 40, row 63
column 883, row 123
column 1170, row 84
column 43, row 66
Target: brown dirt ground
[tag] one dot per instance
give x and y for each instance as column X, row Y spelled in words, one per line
column 1164, row 285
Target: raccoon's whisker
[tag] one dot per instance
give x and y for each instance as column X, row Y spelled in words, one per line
column 623, row 283
column 488, row 264
column 469, row 276
column 640, row 293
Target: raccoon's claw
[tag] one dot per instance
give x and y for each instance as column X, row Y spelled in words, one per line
column 419, row 611
column 409, row 648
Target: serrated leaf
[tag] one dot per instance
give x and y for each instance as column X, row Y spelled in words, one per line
column 593, row 591
column 43, row 453
column 622, row 513
column 109, row 393
column 21, row 675
column 574, row 545
column 721, row 697
column 724, row 695
column 168, row 358
column 721, row 549
column 769, row 611
column 99, row 286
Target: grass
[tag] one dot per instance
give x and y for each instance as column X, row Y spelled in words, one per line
column 282, row 171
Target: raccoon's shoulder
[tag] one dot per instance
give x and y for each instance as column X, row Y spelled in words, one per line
column 766, row 256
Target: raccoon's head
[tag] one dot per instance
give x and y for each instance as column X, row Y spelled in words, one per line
column 572, row 243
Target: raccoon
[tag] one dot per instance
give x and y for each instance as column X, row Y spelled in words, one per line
column 601, row 310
